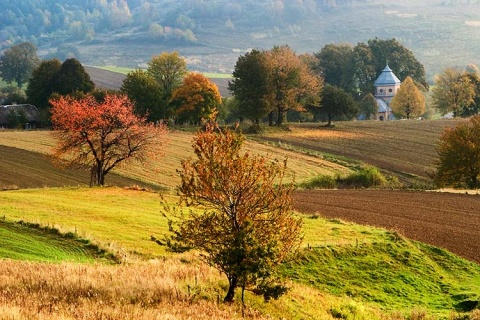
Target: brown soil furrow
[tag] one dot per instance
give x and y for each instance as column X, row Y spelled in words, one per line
column 450, row 221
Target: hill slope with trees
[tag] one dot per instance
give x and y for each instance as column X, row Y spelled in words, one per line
column 213, row 34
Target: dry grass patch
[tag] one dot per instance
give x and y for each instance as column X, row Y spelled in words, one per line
column 157, row 173
column 160, row 289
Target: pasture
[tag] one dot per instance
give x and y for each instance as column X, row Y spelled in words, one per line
column 150, row 281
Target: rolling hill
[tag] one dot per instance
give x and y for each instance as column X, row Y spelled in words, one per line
column 212, row 35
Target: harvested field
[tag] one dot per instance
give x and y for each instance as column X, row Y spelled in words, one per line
column 404, row 148
column 446, row 220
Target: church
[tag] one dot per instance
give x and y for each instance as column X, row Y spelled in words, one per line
column 386, row 85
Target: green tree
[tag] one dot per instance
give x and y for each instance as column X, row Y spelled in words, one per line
column 168, row 69
column 408, row 101
column 146, row 94
column 459, row 155
column 337, row 104
column 292, row 84
column 196, row 100
column 334, row 59
column 72, row 77
column 18, row 62
column 474, row 77
column 453, row 91
column 40, row 86
column 355, row 69
column 368, row 106
column 399, row 58
column 250, row 85
column 247, row 227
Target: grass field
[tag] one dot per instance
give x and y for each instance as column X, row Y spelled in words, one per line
column 24, row 242
column 342, row 263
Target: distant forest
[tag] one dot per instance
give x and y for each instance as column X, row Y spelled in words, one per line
column 213, row 33
column 174, row 20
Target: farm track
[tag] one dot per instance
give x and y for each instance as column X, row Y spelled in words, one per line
column 446, row 220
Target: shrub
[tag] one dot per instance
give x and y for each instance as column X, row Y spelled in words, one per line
column 365, row 178
column 320, row 182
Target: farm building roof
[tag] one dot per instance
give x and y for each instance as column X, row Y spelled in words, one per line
column 30, row 111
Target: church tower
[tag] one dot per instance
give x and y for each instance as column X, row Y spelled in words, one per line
column 386, row 86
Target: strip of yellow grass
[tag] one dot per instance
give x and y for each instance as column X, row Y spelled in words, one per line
column 172, row 288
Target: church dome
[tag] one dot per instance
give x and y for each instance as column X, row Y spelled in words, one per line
column 387, row 78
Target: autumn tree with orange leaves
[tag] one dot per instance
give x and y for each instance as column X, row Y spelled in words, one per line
column 196, row 100
column 100, row 135
column 243, row 223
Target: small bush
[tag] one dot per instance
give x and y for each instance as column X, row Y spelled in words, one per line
column 365, row 178
column 320, row 182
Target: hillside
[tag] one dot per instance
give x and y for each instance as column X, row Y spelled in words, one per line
column 343, row 271
column 25, row 164
column 211, row 35
column 405, row 149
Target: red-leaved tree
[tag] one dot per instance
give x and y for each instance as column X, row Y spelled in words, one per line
column 99, row 135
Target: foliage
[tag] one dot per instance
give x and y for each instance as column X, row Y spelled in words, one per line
column 474, row 107
column 459, row 155
column 333, row 64
column 12, row 95
column 40, row 86
column 399, row 58
column 18, row 62
column 71, row 78
column 408, row 101
column 354, row 68
column 168, row 69
column 453, row 91
column 196, row 100
column 292, row 85
column 368, row 106
column 366, row 177
column 100, row 135
column 250, row 85
column 337, row 104
column 247, row 227
column 146, row 94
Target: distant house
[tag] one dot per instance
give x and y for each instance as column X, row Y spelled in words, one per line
column 23, row 115
column 386, row 86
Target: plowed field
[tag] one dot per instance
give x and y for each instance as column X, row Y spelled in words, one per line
column 446, row 220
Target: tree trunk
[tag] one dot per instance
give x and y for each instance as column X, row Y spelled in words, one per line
column 280, row 116
column 270, row 118
column 233, row 282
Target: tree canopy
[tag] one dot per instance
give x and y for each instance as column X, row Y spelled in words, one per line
column 337, row 104
column 146, row 94
column 408, row 101
column 276, row 80
column 453, row 91
column 459, row 155
column 40, row 86
column 196, row 100
column 355, row 69
column 100, row 135
column 18, row 62
column 72, row 77
column 247, row 227
column 250, row 85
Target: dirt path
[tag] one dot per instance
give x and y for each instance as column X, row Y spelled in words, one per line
column 450, row 221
